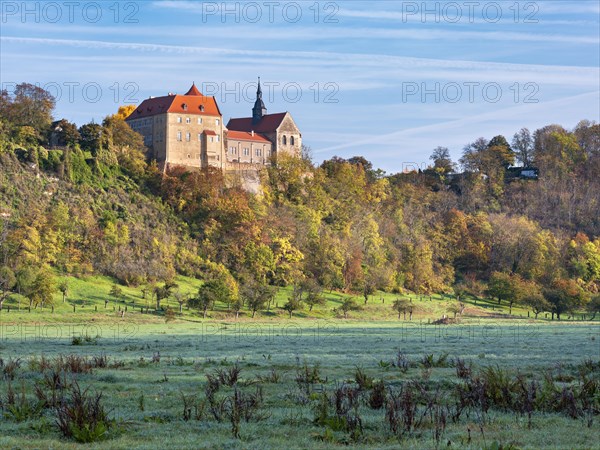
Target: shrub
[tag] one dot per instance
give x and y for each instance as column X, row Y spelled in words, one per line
column 245, row 406
column 19, row 408
column 9, row 368
column 363, row 380
column 402, row 362
column 377, row 396
column 82, row 416
column 462, row 369
column 307, row 375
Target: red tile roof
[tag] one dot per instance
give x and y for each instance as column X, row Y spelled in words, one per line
column 246, row 136
column 210, row 132
column 193, row 102
column 268, row 124
column 193, row 90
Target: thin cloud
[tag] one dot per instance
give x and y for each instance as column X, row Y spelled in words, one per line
column 361, row 58
column 499, row 115
column 316, row 33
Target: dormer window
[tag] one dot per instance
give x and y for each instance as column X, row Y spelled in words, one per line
column 184, row 106
column 202, row 108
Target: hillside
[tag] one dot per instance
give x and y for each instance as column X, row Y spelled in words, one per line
column 92, row 205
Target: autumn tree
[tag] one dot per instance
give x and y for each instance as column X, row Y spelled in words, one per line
column 294, row 301
column 313, row 293
column 522, row 144
column 442, row 162
column 29, row 106
column 403, row 306
column 500, row 286
column 256, row 296
column 116, row 292
column 181, row 299
column 212, row 291
column 42, row 288
column 593, row 307
column 564, row 295
column 63, row 287
column 90, row 138
column 348, row 305
column 8, row 280
column 455, row 308
column 537, row 303
column 66, row 133
column 163, row 292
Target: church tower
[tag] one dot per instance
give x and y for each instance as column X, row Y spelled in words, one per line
column 259, row 109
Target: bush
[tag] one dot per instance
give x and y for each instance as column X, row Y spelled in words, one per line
column 82, row 417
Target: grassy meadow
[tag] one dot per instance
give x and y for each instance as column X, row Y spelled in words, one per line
column 298, row 373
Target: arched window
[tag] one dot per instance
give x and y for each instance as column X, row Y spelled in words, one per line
column 284, row 140
column 292, row 140
column 201, row 107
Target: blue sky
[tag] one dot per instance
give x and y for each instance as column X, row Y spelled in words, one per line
column 386, row 80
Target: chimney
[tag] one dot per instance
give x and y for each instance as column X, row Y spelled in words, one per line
column 252, row 132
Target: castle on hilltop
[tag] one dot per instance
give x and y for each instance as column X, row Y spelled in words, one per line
column 187, row 130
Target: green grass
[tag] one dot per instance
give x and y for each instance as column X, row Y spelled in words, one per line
column 89, row 298
column 189, row 349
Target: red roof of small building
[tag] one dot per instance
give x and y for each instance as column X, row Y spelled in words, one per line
column 268, row 124
column 247, row 136
column 193, row 102
column 210, row 132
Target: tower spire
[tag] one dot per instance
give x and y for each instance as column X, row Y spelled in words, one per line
column 259, row 109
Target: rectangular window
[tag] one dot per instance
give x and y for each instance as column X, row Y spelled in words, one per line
column 188, row 136
column 179, row 120
column 246, row 151
column 199, row 137
column 199, row 120
column 188, row 120
column 179, row 135
column 217, row 122
column 218, row 138
column 212, row 139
